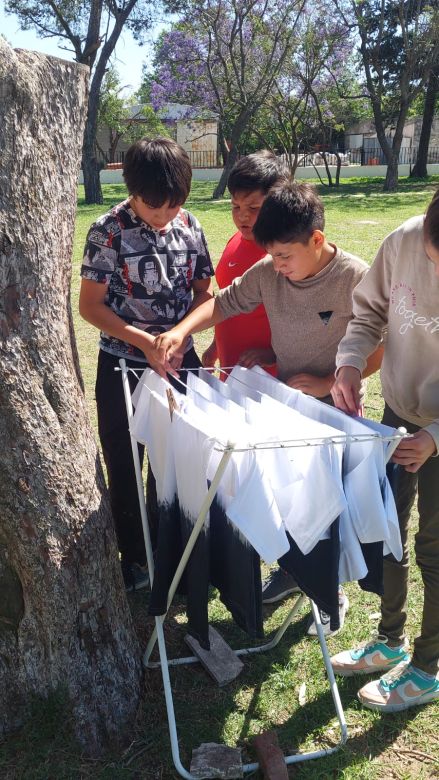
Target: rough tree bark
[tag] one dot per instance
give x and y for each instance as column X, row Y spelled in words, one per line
column 64, row 619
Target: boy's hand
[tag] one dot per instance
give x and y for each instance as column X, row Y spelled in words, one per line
column 167, row 346
column 257, row 357
column 161, row 368
column 346, row 390
column 209, row 356
column 414, row 451
column 317, row 386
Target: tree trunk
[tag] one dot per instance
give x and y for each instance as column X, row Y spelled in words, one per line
column 419, row 169
column 90, row 165
column 222, row 184
column 65, row 620
column 391, row 180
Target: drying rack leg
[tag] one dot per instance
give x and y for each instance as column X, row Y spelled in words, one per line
column 290, row 759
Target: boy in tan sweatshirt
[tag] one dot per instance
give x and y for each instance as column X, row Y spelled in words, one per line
column 401, row 292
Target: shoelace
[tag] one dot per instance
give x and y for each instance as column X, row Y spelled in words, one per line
column 375, row 637
column 395, row 676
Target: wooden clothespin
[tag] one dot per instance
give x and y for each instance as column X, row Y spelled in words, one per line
column 171, row 401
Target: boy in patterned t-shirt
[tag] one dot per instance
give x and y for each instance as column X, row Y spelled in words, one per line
column 146, row 263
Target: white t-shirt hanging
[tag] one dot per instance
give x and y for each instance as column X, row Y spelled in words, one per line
column 363, row 465
column 318, row 499
column 212, row 396
column 244, row 493
column 149, row 382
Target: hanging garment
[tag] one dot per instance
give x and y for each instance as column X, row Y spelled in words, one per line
column 353, row 565
column 363, row 463
column 221, row 555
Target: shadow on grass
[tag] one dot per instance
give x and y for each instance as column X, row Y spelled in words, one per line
column 45, row 747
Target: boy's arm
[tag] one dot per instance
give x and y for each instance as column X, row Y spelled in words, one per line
column 319, row 387
column 202, row 317
column 202, row 291
column 257, row 357
column 243, row 295
column 370, row 306
column 364, row 332
column 92, row 307
column 210, row 355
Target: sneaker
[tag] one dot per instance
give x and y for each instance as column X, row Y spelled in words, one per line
column 135, row 576
column 370, row 657
column 277, row 586
column 343, row 606
column 403, row 687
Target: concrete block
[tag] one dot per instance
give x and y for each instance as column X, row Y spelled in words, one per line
column 220, row 661
column 212, row 761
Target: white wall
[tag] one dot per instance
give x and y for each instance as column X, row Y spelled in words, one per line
column 346, row 172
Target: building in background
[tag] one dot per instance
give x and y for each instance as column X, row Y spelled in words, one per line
column 194, row 127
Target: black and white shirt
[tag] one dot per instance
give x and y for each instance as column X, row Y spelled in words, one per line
column 149, row 272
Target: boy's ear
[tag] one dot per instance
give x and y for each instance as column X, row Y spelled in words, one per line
column 318, row 239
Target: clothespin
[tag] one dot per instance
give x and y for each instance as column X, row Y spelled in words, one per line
column 172, row 403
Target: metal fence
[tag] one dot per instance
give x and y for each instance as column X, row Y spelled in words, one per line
column 365, row 156
column 202, row 159
column 361, row 156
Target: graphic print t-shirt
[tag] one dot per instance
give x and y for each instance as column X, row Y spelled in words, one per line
column 149, row 272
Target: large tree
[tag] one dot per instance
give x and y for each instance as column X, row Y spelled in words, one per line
column 398, row 44
column 91, row 31
column 419, row 169
column 239, row 47
column 64, row 619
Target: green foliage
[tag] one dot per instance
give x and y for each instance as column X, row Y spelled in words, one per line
column 125, row 119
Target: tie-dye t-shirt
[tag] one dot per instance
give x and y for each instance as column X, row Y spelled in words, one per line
column 148, row 273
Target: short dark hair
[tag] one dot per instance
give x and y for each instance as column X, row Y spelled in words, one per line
column 158, row 171
column 290, row 212
column 258, row 171
column 431, row 222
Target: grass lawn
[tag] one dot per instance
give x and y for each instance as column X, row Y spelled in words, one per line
column 265, row 695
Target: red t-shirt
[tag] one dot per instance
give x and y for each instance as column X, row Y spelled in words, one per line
column 245, row 331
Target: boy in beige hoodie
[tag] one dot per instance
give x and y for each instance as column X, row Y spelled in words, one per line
column 401, row 292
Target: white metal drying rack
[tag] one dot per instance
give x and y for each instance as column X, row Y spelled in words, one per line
column 158, row 634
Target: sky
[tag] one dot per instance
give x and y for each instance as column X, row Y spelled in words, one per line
column 129, row 55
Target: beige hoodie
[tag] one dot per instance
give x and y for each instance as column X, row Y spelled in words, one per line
column 401, row 291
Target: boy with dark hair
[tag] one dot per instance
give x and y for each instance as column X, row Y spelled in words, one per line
column 306, row 286
column 146, row 255
column 401, row 292
column 247, row 334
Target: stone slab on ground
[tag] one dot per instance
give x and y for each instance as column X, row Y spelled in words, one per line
column 220, row 661
column 216, row 761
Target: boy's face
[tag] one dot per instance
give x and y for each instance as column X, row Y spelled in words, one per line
column 157, row 218
column 245, row 210
column 433, row 255
column 297, row 261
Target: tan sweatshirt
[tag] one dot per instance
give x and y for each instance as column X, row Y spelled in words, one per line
column 307, row 318
column 402, row 291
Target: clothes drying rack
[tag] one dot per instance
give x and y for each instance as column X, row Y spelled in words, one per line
column 157, row 635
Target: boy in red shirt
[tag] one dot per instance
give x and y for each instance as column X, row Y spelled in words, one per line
column 246, row 336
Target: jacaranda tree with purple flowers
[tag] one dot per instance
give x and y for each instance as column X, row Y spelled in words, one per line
column 226, row 55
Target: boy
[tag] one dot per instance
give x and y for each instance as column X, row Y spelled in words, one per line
column 146, row 264
column 306, row 287
column 249, row 182
column 402, row 292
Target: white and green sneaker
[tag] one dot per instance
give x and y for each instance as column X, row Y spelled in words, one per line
column 403, row 687
column 370, row 657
